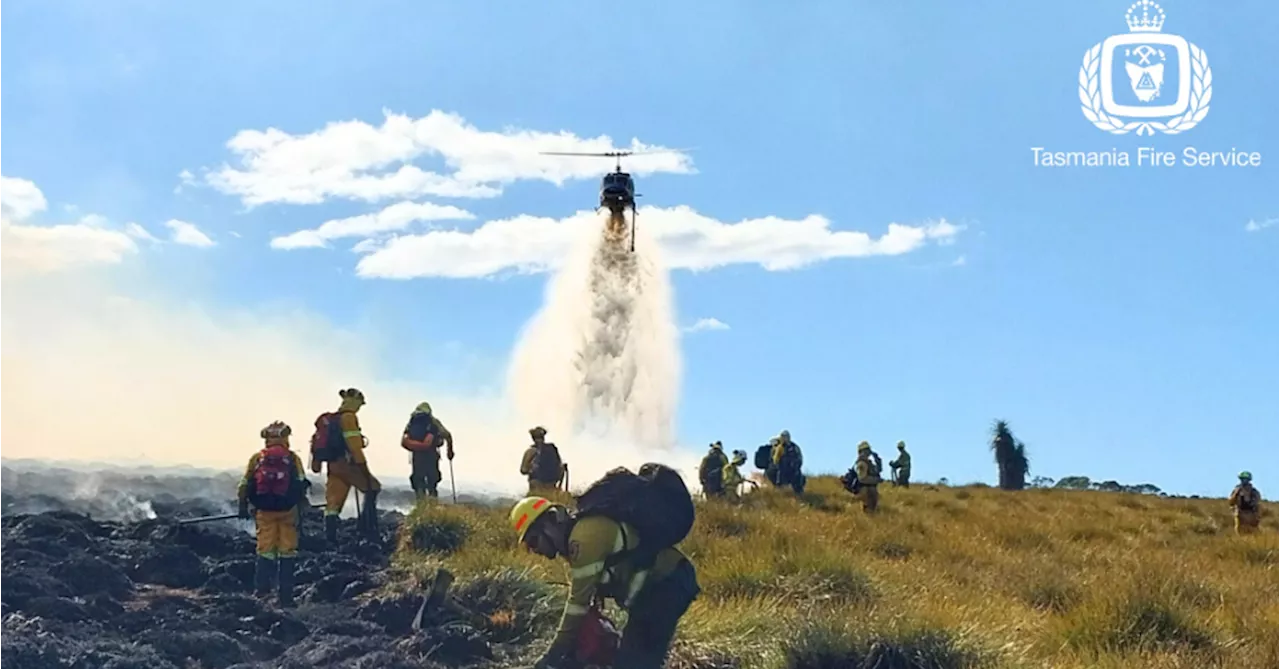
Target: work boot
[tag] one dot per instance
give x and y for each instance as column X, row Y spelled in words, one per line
column 263, row 574
column 371, row 514
column 285, row 592
column 331, row 530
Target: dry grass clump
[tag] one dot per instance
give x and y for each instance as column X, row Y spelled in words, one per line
column 942, row 578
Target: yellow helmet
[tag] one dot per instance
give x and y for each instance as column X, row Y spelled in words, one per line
column 423, row 407
column 864, row 446
column 525, row 512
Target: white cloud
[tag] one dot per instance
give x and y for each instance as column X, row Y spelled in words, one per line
column 959, row 262
column 704, row 324
column 187, row 234
column 138, row 232
column 395, row 217
column 359, row 161
column 689, row 240
column 30, row 248
column 20, row 198
column 1255, row 226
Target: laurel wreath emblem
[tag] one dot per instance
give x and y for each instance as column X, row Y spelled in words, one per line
column 1091, row 98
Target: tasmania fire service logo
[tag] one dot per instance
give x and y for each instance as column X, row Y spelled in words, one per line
column 1145, row 80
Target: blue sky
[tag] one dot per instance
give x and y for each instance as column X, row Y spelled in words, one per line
column 1123, row 319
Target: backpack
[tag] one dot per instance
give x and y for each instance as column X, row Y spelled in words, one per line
column 711, row 471
column 654, row 501
column 850, row 480
column 546, row 464
column 790, row 457
column 764, row 457
column 327, row 443
column 273, row 485
column 420, row 425
column 1248, row 501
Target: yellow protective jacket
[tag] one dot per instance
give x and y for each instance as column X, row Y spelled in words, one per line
column 243, row 488
column 1245, row 499
column 354, row 438
column 730, row 477
column 867, row 474
column 591, row 541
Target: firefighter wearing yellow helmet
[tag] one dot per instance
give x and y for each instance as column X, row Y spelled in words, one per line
column 596, row 548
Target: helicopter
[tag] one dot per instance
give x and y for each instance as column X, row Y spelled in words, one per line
column 617, row 188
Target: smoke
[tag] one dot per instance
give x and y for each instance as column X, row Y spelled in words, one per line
column 600, row 360
column 110, row 367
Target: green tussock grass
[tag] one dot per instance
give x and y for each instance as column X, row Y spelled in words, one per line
column 942, row 578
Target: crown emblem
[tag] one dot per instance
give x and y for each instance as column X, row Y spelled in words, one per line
column 1150, row 20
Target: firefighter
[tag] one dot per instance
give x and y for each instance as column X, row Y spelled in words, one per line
column 350, row 471
column 1246, row 503
column 596, row 549
column 868, row 478
column 901, row 467
column 276, row 484
column 542, row 464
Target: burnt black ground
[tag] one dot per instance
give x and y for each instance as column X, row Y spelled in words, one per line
column 80, row 593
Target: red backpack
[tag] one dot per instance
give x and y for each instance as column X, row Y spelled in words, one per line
column 274, row 485
column 327, row 443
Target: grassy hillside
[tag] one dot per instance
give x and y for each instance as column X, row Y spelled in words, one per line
column 953, row 577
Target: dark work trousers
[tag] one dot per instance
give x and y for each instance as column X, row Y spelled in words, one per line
column 652, row 619
column 426, row 472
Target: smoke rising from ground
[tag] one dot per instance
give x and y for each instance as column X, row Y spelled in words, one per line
column 108, row 367
column 601, row 358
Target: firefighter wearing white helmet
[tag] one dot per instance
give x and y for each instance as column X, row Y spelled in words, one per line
column 868, row 478
column 1246, row 503
column 275, row 483
column 788, row 462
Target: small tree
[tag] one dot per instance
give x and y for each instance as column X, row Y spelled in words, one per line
column 1042, row 482
column 1011, row 457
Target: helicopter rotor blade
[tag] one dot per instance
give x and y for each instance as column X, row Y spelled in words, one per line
column 603, row 154
column 613, row 154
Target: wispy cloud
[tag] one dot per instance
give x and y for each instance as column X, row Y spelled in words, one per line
column 689, row 240
column 187, row 234
column 959, row 262
column 138, row 232
column 1254, row 226
column 704, row 324
column 392, row 219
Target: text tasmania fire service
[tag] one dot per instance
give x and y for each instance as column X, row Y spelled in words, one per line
column 1145, row 156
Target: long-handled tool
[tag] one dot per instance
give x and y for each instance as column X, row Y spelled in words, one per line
column 453, row 487
column 229, row 516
